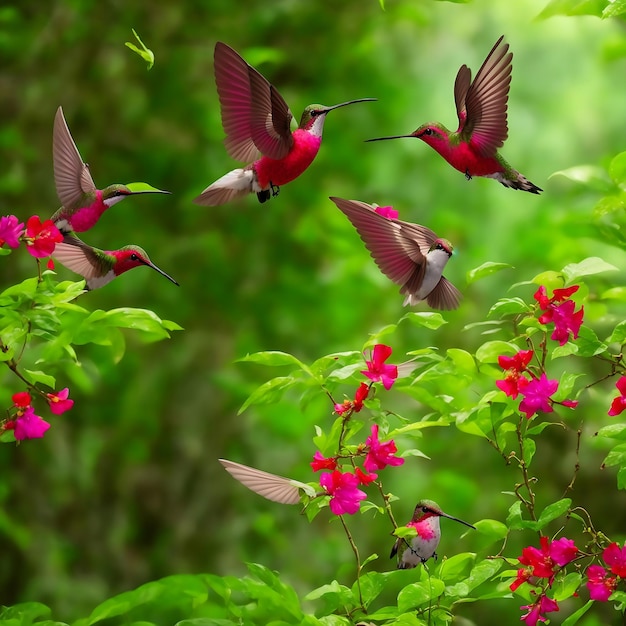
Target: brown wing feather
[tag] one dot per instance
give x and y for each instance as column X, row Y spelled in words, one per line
column 444, row 297
column 461, row 85
column 79, row 257
column 486, row 101
column 233, row 88
column 71, row 176
column 270, row 486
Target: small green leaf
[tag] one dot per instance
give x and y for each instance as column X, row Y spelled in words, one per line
column 486, row 269
column 492, row 528
column 613, row 431
column 590, row 176
column 553, row 511
column 268, row 392
column 576, row 615
column 617, row 456
column 530, row 447
column 587, row 267
column 40, row 377
column 271, row 358
column 508, row 306
column 491, row 350
column 617, row 168
column 619, row 334
column 146, row 54
column 428, row 319
column 416, row 594
column 567, row 586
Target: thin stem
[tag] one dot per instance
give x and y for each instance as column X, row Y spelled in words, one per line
column 358, row 561
column 530, row 502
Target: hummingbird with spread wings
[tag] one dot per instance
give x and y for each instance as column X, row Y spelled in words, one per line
column 410, row 255
column 481, row 106
column 257, row 122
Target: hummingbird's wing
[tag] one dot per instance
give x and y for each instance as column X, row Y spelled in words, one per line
column 81, row 258
column 482, row 109
column 248, row 106
column 444, row 297
column 71, row 175
column 397, row 247
column 270, row 486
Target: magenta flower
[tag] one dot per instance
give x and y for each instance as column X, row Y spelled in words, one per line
column 513, row 381
column 558, row 295
column 60, row 402
column 376, row 368
column 543, row 561
column 11, row 229
column 599, row 584
column 319, row 462
column 354, row 405
column 537, row 396
column 563, row 551
column 41, row 238
column 30, row 426
column 345, row 497
column 537, row 610
column 619, row 403
column 387, row 211
column 380, row 454
column 565, row 319
column 615, row 558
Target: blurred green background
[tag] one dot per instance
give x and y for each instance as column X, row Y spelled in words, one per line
column 126, row 488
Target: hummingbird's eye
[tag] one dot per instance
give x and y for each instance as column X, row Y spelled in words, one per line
column 428, row 131
column 134, row 257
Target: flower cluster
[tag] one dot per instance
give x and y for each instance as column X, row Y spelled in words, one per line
column 40, row 237
column 619, row 403
column 599, row 583
column 560, row 311
column 536, row 392
column 543, row 563
column 23, row 420
column 342, row 487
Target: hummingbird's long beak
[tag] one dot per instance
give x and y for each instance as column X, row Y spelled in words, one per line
column 456, row 519
column 394, row 137
column 344, row 104
column 158, row 269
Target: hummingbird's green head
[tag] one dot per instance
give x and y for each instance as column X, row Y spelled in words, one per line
column 443, row 245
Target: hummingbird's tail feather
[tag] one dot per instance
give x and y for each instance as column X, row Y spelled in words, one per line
column 235, row 184
column 516, row 181
column 444, row 297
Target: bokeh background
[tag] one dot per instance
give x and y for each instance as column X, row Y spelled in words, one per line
column 127, row 488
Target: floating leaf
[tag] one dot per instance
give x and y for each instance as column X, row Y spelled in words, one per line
column 145, row 53
column 486, row 269
column 587, row 267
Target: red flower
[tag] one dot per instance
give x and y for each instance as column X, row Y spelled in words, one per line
column 599, row 584
column 558, row 295
column 536, row 610
column 41, row 238
column 380, row 454
column 565, row 319
column 320, row 463
column 551, row 554
column 513, row 381
column 59, row 402
column 354, row 405
column 30, row 426
column 615, row 558
column 523, row 575
column 376, row 368
column 22, row 399
column 345, row 497
column 365, row 478
column 387, row 211
column 619, row 403
column 11, row 229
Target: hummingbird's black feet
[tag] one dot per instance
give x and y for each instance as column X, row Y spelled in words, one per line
column 275, row 189
column 263, row 196
column 468, row 176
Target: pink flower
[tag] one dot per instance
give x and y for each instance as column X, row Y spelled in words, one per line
column 376, row 368
column 513, row 381
column 537, row 610
column 41, row 238
column 543, row 561
column 565, row 319
column 22, row 399
column 30, row 426
column 380, row 454
column 387, row 211
column 599, row 584
column 11, row 230
column 558, row 295
column 615, row 558
column 563, row 551
column 320, row 463
column 537, row 396
column 365, row 478
column 59, row 402
column 345, row 497
column 619, row 403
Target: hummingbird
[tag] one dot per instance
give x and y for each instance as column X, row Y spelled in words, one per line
column 419, row 549
column 481, row 107
column 82, row 204
column 409, row 254
column 99, row 267
column 256, row 120
column 270, row 486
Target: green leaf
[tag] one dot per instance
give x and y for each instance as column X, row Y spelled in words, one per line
column 587, row 267
column 416, row 594
column 40, row 377
column 268, row 392
column 617, row 456
column 456, row 566
column 613, row 431
column 428, row 319
column 509, row 306
column 480, row 573
column 617, row 168
column 492, row 528
column 619, row 334
column 553, row 511
column 591, row 176
column 463, row 360
column 146, row 54
column 576, row 615
column 272, row 358
column 144, row 187
column 621, row 478
column 486, row 269
column 530, row 447
column 491, row 350
column 567, row 586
